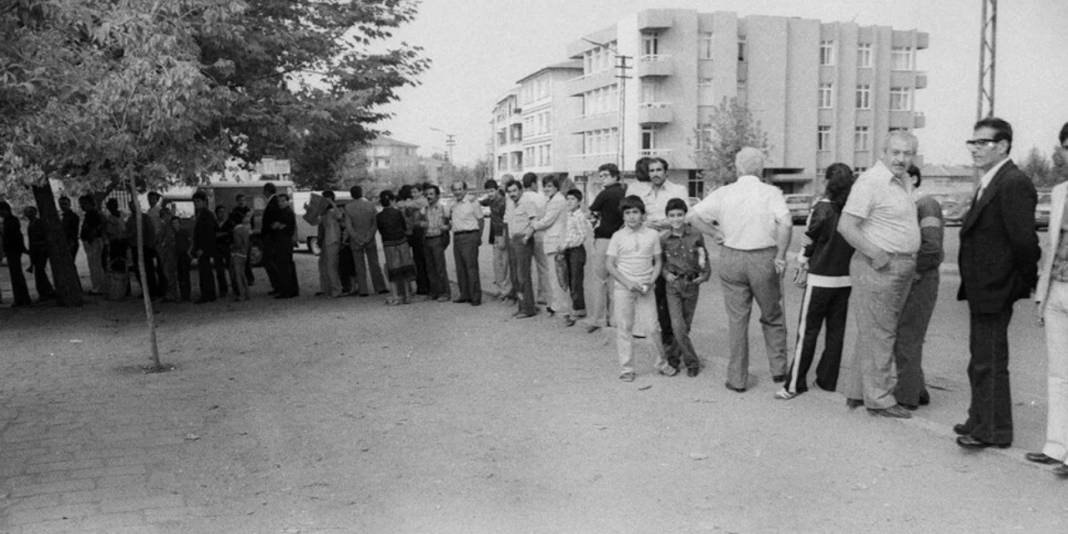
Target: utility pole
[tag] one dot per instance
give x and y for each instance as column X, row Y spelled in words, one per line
column 987, row 47
column 623, row 77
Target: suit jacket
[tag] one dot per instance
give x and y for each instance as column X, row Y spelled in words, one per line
column 1056, row 219
column 360, row 221
column 13, row 243
column 204, row 233
column 999, row 250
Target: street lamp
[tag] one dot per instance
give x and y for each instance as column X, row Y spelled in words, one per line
column 622, row 76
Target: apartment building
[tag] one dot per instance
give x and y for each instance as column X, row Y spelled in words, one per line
column 384, row 152
column 532, row 123
column 823, row 92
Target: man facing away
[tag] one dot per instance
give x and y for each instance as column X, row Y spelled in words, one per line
column 756, row 228
column 998, row 263
column 467, row 224
column 361, row 227
column 609, row 219
column 879, row 221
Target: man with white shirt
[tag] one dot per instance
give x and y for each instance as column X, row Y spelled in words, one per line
column 542, row 290
column 552, row 227
column 879, row 221
column 998, row 263
column 756, row 228
column 656, row 193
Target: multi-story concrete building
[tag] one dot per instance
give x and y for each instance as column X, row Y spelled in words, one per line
column 532, row 123
column 384, row 152
column 823, row 92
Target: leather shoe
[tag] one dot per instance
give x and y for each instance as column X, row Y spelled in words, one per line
column 1061, row 470
column 854, row 403
column 1040, row 458
column 778, row 379
column 895, row 411
column 909, row 407
column 592, row 328
column 692, row 371
column 969, row 442
column 961, row 429
column 521, row 315
column 732, row 388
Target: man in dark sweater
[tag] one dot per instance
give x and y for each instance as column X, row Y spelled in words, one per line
column 204, row 246
column 609, row 219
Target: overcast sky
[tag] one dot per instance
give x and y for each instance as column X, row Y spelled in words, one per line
column 479, row 49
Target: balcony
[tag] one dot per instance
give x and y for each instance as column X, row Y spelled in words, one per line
column 654, row 20
column 655, row 65
column 588, row 82
column 664, row 153
column 655, row 113
column 921, row 79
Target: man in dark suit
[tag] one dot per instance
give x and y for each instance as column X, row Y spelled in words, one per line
column 361, row 227
column 204, row 246
column 283, row 229
column 998, row 264
column 14, row 248
column 271, row 213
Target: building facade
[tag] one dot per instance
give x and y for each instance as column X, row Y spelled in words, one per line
column 823, row 92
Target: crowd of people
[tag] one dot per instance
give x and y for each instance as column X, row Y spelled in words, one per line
column 635, row 256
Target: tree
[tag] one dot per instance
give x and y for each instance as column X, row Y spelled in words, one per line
column 1038, row 168
column 728, row 128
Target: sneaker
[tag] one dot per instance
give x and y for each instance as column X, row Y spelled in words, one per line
column 783, row 394
column 627, row 377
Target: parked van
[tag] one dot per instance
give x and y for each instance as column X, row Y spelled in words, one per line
column 307, row 234
column 225, row 194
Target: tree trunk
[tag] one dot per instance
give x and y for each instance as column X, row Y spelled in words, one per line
column 150, row 317
column 64, row 275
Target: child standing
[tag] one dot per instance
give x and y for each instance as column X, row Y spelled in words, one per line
column 241, row 218
column 685, row 268
column 571, row 265
column 634, row 263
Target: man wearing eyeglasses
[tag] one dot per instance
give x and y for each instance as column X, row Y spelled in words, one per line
column 998, row 263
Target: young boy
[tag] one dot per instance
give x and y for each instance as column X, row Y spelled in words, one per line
column 685, row 268
column 634, row 263
column 573, row 260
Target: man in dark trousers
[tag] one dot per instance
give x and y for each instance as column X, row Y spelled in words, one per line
column 283, row 229
column 998, row 263
column 204, row 246
column 70, row 225
column 14, row 248
column 38, row 236
column 271, row 212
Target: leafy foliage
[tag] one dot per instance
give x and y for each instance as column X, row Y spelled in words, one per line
column 729, row 127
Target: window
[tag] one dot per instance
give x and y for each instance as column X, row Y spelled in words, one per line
column 650, row 91
column 826, row 96
column 862, row 138
column 549, row 154
column 864, row 55
column 705, row 134
column 650, row 44
column 823, row 138
column 864, row 96
column 648, row 139
column 901, row 58
column 826, row 52
column 705, row 46
column 741, row 48
column 900, row 99
column 858, row 170
column 696, row 184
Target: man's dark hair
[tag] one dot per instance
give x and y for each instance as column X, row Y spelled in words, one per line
column 283, row 195
column 237, row 215
column 490, row 184
column 356, row 192
column 153, row 195
column 839, row 178
column 631, row 202
column 386, row 198
column 200, row 195
column 676, row 204
column 551, row 179
column 269, row 189
column 405, row 192
column 612, row 169
column 574, row 193
column 433, row 187
column 661, row 161
column 1064, row 134
column 328, row 194
column 917, row 176
column 1002, row 129
column 5, row 207
column 641, row 169
column 530, row 180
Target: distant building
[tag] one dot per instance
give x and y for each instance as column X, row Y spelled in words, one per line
column 823, row 93
column 384, row 152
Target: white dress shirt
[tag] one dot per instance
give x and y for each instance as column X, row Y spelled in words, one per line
column 656, row 198
column 748, row 212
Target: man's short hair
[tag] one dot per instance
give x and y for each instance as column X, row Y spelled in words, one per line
column 461, row 183
column 269, row 189
column 917, row 176
column 199, row 195
column 154, row 195
column 908, row 136
column 490, row 184
column 749, row 161
column 432, row 187
column 385, row 198
column 328, row 194
column 631, row 202
column 530, row 180
column 1002, row 129
column 611, row 168
column 676, row 204
column 356, row 192
column 574, row 193
column 551, row 179
column 839, row 178
column 663, row 162
column 1063, row 135
column 641, row 169
column 518, row 185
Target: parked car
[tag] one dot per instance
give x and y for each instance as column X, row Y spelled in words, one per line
column 800, row 205
column 1045, row 198
column 954, row 206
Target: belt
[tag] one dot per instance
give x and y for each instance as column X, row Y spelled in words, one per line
column 910, row 256
column 439, row 236
column 460, row 232
column 689, row 276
